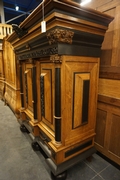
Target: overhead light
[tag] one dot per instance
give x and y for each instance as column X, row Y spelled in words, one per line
column 16, row 8
column 85, row 2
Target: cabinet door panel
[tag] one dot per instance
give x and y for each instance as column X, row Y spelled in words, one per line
column 81, row 99
column 28, row 87
column 47, row 93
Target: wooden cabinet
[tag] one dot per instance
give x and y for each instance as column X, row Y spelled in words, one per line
column 28, row 94
column 68, row 90
column 9, row 82
column 59, row 79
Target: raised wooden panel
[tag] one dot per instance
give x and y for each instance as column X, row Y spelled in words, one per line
column 28, row 87
column 80, row 93
column 1, row 64
column 80, row 99
column 1, row 75
column 100, row 127
column 107, row 45
column 10, row 64
column 108, row 87
column 47, row 93
column 107, row 130
column 114, row 144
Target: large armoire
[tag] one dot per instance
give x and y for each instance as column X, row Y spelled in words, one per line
column 58, row 75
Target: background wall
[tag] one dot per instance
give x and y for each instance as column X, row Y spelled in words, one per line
column 108, row 112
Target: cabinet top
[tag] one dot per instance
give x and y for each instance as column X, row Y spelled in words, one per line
column 64, row 7
column 67, row 25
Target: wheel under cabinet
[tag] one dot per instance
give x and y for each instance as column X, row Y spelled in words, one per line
column 23, row 128
column 35, row 146
column 61, row 176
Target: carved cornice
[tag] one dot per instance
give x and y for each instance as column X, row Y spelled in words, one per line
column 56, row 58
column 60, row 35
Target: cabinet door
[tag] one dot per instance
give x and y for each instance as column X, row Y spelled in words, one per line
column 81, row 82
column 47, row 94
column 28, row 87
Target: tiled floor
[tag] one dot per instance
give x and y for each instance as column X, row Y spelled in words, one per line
column 18, row 161
column 97, row 169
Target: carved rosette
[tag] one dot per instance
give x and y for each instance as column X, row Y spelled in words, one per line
column 60, row 35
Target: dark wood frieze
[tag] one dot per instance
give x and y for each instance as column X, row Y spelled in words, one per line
column 60, row 35
column 61, row 41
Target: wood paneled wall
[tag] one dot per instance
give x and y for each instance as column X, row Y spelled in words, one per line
column 108, row 112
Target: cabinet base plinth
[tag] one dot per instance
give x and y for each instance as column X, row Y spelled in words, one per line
column 58, row 169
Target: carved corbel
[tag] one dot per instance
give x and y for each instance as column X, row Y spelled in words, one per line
column 56, row 58
column 60, row 35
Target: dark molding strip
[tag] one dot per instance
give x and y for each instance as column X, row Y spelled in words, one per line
column 21, row 88
column 34, row 90
column 78, row 148
column 85, row 103
column 57, row 104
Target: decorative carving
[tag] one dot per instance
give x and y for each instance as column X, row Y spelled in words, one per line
column 56, row 58
column 28, row 46
column 26, row 88
column 60, row 35
column 39, row 53
column 42, row 95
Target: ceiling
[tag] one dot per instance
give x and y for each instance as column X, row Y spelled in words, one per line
column 25, row 7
